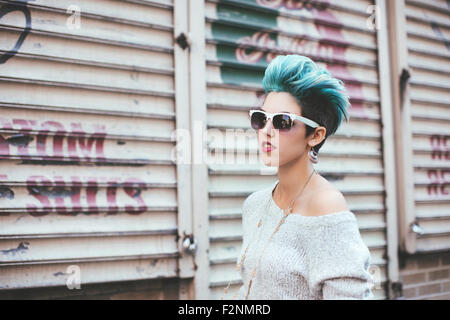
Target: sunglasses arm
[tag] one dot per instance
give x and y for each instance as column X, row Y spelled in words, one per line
column 306, row 121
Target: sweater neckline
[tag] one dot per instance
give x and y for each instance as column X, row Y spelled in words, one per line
column 336, row 214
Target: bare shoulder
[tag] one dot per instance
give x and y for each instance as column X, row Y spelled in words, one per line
column 327, row 200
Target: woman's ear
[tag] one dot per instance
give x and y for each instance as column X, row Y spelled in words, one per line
column 317, row 136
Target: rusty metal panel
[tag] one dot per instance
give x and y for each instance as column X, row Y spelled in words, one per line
column 87, row 175
column 55, row 274
column 428, row 31
column 242, row 37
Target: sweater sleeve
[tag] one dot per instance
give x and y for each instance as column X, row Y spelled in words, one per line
column 338, row 262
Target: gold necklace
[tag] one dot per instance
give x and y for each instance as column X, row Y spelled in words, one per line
column 293, row 200
column 239, row 265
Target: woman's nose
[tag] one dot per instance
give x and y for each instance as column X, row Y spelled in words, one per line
column 268, row 128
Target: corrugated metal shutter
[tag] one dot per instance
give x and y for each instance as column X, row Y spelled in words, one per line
column 428, row 35
column 241, row 38
column 87, row 114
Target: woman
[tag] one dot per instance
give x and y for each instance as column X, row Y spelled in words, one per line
column 300, row 240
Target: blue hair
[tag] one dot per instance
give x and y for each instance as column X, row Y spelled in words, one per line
column 321, row 97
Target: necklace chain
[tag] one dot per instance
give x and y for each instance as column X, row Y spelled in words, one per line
column 239, row 265
column 293, row 199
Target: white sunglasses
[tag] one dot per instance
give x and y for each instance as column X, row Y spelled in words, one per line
column 283, row 121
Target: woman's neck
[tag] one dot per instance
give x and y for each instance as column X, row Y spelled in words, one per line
column 292, row 178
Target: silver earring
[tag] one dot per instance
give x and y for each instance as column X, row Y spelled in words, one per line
column 313, row 156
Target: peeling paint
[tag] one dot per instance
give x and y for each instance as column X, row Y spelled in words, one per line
column 22, row 247
column 7, row 193
column 19, row 140
column 53, row 192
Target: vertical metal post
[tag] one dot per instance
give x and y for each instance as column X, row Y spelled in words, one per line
column 402, row 120
column 390, row 181
column 184, row 175
column 199, row 151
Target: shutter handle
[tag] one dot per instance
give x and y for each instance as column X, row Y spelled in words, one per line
column 404, row 79
column 190, row 244
column 416, row 228
column 183, row 40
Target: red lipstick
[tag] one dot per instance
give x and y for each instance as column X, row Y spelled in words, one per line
column 267, row 146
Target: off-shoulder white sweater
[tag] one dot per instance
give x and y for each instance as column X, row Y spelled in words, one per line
column 310, row 257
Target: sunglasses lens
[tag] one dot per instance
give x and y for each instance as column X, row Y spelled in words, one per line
column 282, row 122
column 258, row 120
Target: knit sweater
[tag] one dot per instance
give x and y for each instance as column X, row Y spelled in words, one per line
column 310, row 257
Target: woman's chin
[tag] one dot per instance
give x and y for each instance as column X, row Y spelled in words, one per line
column 270, row 160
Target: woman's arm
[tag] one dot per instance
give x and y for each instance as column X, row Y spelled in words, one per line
column 338, row 262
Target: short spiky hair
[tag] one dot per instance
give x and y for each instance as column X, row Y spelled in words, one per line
column 322, row 97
